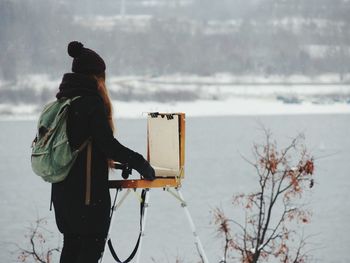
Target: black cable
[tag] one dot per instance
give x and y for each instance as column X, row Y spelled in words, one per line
column 133, row 253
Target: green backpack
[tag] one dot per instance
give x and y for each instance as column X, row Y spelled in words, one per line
column 52, row 157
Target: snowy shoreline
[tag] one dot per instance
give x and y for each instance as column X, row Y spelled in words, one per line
column 221, row 94
column 199, row 108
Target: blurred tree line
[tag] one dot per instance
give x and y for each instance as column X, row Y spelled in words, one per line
column 195, row 37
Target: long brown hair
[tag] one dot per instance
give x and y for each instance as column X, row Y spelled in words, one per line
column 103, row 91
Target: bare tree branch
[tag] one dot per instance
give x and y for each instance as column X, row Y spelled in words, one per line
column 36, row 238
column 266, row 230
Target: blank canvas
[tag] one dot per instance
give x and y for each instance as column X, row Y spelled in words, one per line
column 164, row 145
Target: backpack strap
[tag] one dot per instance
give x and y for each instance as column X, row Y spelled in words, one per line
column 51, row 198
column 88, row 144
column 88, row 172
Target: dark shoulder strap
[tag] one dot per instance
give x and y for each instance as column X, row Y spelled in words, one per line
column 88, row 173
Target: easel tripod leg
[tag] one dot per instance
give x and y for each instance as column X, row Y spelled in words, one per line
column 143, row 223
column 197, row 241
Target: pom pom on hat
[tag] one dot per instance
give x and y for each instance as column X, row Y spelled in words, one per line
column 75, row 48
column 86, row 61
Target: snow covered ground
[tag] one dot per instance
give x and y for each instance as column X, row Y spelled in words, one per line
column 227, row 107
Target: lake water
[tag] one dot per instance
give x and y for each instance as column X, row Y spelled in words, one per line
column 214, row 171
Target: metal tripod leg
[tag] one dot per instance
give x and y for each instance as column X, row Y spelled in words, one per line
column 143, row 225
column 197, row 241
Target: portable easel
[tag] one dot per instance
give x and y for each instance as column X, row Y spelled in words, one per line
column 170, row 184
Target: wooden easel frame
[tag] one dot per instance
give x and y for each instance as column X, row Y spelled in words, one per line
column 159, row 182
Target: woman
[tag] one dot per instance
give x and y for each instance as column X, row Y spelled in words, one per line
column 85, row 227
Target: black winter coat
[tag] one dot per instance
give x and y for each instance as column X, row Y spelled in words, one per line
column 87, row 118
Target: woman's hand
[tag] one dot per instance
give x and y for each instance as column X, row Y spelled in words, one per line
column 142, row 166
column 147, row 171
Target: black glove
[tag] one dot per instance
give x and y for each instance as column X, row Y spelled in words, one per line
column 142, row 166
column 147, row 171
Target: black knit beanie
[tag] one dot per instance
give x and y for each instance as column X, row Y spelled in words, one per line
column 86, row 61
